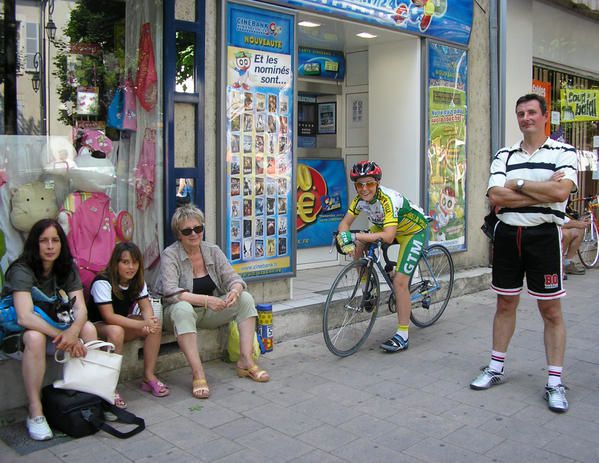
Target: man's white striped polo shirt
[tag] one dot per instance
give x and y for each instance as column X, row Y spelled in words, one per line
column 514, row 163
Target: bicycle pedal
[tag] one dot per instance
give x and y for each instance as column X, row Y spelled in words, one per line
column 426, row 302
column 369, row 303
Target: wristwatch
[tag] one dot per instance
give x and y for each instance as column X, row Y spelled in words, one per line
column 520, row 184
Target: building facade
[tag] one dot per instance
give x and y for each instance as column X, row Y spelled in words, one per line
column 264, row 149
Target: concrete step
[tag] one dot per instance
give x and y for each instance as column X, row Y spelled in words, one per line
column 291, row 319
column 210, row 344
column 303, row 320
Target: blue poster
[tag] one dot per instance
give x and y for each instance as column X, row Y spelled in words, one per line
column 321, row 200
column 326, row 64
column 259, row 141
column 450, row 20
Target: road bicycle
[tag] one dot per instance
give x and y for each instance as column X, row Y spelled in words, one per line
column 352, row 304
column 588, row 251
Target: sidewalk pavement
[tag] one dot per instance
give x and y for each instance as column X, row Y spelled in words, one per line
column 413, row 406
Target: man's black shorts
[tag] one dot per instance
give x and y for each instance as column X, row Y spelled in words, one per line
column 534, row 251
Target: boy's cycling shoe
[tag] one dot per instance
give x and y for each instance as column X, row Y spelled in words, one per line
column 556, row 398
column 38, row 428
column 486, row 379
column 395, row 344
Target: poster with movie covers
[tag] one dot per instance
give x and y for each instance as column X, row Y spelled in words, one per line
column 259, row 141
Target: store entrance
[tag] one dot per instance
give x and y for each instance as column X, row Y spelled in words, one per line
column 358, row 91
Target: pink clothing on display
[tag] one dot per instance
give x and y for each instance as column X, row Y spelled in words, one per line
column 146, row 80
column 145, row 171
column 129, row 107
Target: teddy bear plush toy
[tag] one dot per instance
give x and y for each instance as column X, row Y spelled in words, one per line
column 31, row 202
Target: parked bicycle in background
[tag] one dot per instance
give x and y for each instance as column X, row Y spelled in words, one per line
column 588, row 250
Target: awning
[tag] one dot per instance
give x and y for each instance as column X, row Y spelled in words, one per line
column 592, row 4
column 589, row 8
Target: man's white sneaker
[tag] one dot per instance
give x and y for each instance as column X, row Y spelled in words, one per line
column 486, row 379
column 556, row 398
column 38, row 428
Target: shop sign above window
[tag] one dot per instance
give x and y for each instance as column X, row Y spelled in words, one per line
column 450, row 20
column 579, row 105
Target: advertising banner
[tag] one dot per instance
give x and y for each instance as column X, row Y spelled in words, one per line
column 544, row 89
column 579, row 105
column 259, row 141
column 450, row 20
column 446, row 199
column 326, row 64
column 321, row 200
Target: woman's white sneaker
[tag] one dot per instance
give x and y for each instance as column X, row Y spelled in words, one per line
column 38, row 428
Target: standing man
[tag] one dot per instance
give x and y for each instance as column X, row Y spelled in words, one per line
column 530, row 183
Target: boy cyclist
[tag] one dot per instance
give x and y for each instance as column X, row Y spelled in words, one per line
column 393, row 218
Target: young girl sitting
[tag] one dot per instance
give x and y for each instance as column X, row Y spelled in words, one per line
column 120, row 308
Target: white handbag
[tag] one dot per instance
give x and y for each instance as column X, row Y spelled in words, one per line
column 96, row 373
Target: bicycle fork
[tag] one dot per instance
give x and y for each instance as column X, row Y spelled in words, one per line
column 366, row 283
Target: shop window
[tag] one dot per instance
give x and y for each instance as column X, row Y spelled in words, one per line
column 185, row 191
column 579, row 134
column 185, row 82
column 99, row 113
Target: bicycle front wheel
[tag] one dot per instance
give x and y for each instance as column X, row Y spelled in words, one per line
column 351, row 307
column 588, row 251
column 431, row 285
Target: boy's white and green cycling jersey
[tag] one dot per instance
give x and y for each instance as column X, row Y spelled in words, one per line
column 390, row 208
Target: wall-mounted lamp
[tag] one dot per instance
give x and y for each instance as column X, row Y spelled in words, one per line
column 51, row 30
column 50, row 25
column 35, row 78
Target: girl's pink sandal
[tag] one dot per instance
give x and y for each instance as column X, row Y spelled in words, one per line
column 156, row 387
column 119, row 402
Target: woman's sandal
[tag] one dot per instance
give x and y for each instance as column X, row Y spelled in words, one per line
column 200, row 389
column 253, row 373
column 155, row 387
column 119, row 402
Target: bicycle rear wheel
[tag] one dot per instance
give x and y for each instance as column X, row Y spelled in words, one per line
column 350, row 309
column 431, row 285
column 588, row 251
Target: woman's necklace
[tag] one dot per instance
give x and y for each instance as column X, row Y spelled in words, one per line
column 197, row 264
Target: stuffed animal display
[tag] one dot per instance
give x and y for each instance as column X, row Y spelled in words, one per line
column 61, row 156
column 92, row 174
column 32, row 202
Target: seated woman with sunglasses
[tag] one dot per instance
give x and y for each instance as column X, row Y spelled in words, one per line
column 201, row 290
column 393, row 219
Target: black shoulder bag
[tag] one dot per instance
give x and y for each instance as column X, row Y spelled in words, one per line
column 80, row 414
column 489, row 222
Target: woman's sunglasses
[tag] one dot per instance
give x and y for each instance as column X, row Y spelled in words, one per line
column 197, row 230
column 361, row 185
